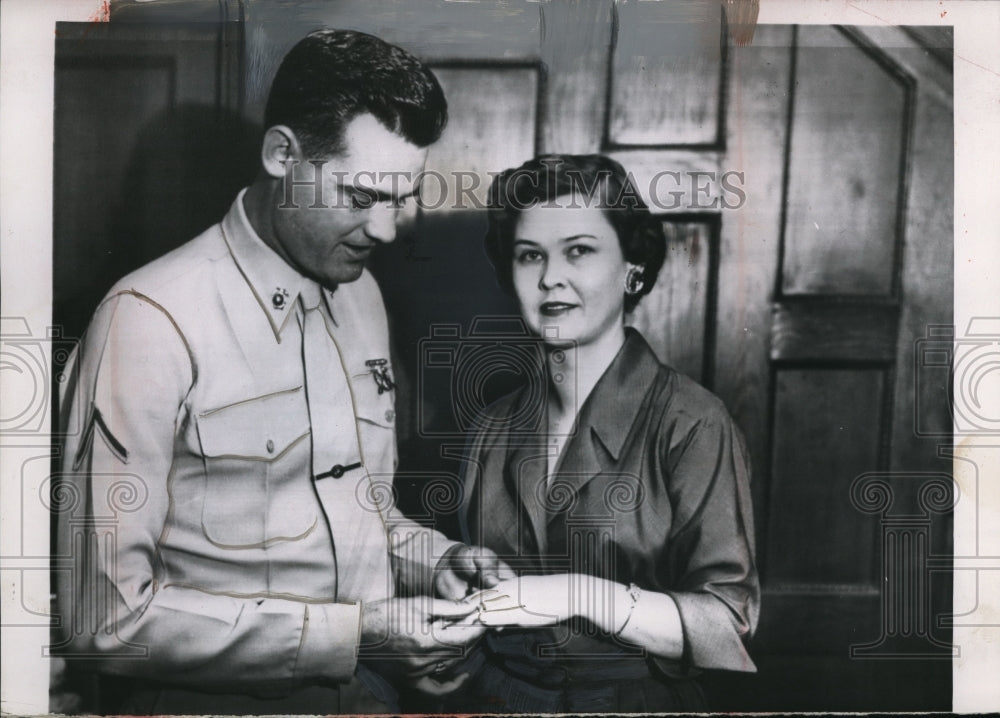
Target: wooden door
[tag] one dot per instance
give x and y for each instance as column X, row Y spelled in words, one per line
column 812, row 297
column 831, row 276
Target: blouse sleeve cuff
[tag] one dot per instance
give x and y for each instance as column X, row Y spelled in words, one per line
column 711, row 641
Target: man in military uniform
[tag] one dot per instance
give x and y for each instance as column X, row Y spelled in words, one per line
column 238, row 427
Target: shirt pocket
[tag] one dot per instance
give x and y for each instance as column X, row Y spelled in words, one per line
column 374, row 403
column 256, row 456
column 376, row 421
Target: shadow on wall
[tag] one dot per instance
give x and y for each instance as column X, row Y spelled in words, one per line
column 438, row 276
column 186, row 167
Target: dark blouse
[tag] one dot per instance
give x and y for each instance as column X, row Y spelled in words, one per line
column 652, row 488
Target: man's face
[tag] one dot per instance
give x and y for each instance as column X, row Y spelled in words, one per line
column 327, row 229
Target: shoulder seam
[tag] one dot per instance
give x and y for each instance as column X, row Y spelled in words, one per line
column 149, row 300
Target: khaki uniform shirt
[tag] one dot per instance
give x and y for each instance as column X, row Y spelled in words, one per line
column 204, row 553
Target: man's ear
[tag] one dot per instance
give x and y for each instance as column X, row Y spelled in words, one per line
column 279, row 147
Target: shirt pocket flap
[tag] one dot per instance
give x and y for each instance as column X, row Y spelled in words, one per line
column 260, row 428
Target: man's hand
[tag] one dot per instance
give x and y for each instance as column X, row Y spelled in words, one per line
column 413, row 637
column 465, row 569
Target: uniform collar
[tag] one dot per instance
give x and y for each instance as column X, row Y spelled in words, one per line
column 275, row 285
column 615, row 401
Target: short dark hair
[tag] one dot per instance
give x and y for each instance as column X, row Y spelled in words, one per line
column 332, row 76
column 542, row 180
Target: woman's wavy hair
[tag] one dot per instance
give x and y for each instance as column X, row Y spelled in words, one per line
column 594, row 180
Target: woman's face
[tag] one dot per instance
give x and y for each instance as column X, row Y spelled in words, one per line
column 569, row 272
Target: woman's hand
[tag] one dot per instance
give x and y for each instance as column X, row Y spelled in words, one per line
column 529, row 600
column 646, row 618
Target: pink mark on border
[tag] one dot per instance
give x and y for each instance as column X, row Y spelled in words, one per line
column 103, row 13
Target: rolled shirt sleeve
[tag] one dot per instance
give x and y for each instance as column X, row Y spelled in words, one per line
column 711, row 548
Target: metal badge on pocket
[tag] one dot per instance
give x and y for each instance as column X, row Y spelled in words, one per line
column 380, row 372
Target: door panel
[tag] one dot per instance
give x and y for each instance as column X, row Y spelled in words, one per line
column 833, row 331
column 848, row 135
column 827, row 426
column 666, row 93
column 678, row 316
column 497, row 107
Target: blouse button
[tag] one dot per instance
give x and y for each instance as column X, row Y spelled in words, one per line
column 270, row 446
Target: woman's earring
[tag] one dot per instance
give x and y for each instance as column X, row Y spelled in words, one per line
column 634, row 281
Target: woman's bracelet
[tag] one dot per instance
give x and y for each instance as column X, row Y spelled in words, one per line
column 633, row 594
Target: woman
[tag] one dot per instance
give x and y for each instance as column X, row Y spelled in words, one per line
column 621, row 494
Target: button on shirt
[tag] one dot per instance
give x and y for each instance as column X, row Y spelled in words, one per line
column 215, row 552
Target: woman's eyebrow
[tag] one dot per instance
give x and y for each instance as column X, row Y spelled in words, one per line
column 562, row 239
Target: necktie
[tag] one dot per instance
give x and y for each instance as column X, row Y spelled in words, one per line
column 338, row 470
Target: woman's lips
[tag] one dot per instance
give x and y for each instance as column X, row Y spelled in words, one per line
column 556, row 309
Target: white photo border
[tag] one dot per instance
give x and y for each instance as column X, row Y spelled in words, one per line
column 27, row 45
